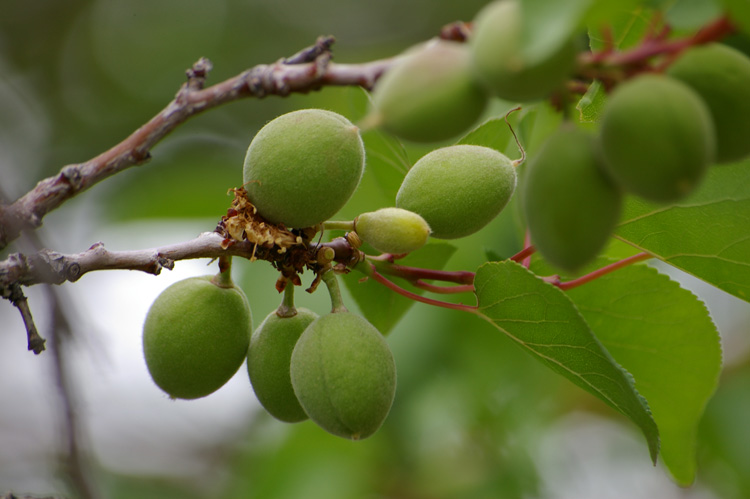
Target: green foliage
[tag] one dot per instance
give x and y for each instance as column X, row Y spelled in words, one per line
column 542, row 320
column 196, row 336
column 687, row 235
column 344, row 375
column 268, row 358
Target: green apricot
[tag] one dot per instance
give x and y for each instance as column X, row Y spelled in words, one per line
column 344, row 375
column 392, row 230
column 571, row 205
column 657, row 137
column 458, row 189
column 497, row 43
column 268, row 359
column 196, row 336
column 721, row 76
column 429, row 94
column 302, row 167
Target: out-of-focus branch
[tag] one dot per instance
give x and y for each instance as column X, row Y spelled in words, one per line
column 308, row 70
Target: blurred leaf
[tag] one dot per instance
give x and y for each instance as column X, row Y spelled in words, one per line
column 547, row 25
column 541, row 319
column 591, row 105
column 662, row 335
column 739, row 12
column 383, row 307
column 386, row 160
column 624, row 23
column 692, row 14
column 707, row 234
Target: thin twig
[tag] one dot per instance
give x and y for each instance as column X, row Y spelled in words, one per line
column 18, row 299
column 293, row 75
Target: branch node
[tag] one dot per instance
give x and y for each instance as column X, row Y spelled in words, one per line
column 72, row 175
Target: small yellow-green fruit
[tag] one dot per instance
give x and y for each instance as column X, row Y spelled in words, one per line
column 571, row 205
column 497, row 48
column 344, row 375
column 195, row 336
column 458, row 189
column 721, row 76
column 392, row 230
column 302, row 167
column 268, row 359
column 429, row 95
column 657, row 137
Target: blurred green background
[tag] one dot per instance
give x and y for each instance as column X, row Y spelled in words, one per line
column 474, row 417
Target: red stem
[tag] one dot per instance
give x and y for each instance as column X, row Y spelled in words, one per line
column 524, row 256
column 398, row 289
column 603, row 271
column 413, row 274
column 464, row 288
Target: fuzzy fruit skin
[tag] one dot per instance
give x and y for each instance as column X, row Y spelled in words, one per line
column 268, row 359
column 721, row 76
column 392, row 230
column 570, row 204
column 458, row 189
column 195, row 336
column 657, row 137
column 302, row 167
column 430, row 94
column 344, row 375
column 496, row 46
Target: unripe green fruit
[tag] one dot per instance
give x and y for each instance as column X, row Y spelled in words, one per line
column 344, row 375
column 657, row 137
column 497, row 47
column 392, row 230
column 430, row 94
column 302, row 167
column 268, row 359
column 570, row 204
column 196, row 336
column 458, row 189
column 721, row 76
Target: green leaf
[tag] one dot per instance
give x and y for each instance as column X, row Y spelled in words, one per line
column 706, row 235
column 591, row 105
column 542, row 320
column 662, row 334
column 547, row 25
column 739, row 12
column 383, row 307
column 625, row 23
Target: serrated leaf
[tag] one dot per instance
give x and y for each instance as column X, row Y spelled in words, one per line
column 706, row 235
column 383, row 307
column 662, row 334
column 542, row 320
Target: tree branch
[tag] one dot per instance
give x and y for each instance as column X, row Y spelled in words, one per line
column 309, row 69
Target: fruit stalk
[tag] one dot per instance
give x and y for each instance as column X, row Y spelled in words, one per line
column 332, row 283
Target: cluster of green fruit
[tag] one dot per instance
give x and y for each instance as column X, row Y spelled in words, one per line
column 438, row 89
column 336, row 369
column 659, row 134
